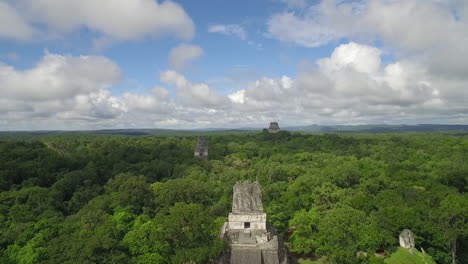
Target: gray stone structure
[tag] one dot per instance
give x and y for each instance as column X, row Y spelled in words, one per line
column 251, row 239
column 407, row 239
column 274, row 127
column 201, row 150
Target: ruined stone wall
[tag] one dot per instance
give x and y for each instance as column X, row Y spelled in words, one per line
column 201, row 149
column 274, row 127
column 247, row 198
column 406, row 239
column 251, row 240
column 256, row 221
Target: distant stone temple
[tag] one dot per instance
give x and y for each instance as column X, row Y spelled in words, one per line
column 201, row 150
column 406, row 239
column 251, row 239
column 274, row 127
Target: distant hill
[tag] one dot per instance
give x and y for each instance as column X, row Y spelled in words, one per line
column 378, row 128
column 229, row 131
column 131, row 132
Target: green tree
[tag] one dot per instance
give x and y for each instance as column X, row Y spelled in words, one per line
column 339, row 232
column 452, row 216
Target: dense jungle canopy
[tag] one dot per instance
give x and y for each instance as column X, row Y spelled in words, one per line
column 88, row 198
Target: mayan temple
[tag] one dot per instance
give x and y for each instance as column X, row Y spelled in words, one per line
column 201, row 150
column 274, row 127
column 251, row 239
column 406, row 239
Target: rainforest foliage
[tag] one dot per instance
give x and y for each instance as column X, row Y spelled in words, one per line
column 84, row 198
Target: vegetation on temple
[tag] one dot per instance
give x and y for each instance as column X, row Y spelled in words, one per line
column 403, row 255
column 84, row 198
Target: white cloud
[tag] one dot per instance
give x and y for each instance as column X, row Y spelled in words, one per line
column 157, row 100
column 98, row 105
column 118, row 19
column 229, row 30
column 60, row 88
column 266, row 91
column 351, row 86
column 237, row 97
column 234, row 30
column 66, row 92
column 198, row 94
column 362, row 58
column 431, row 31
column 182, row 55
column 287, row 27
column 12, row 25
column 58, row 77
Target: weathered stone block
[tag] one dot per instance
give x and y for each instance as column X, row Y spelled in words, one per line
column 274, row 127
column 201, row 150
column 251, row 240
column 247, row 198
column 406, row 239
column 251, row 222
column 246, row 256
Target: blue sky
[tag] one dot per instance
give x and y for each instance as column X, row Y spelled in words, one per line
column 70, row 64
column 141, row 60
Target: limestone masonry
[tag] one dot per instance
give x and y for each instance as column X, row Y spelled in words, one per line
column 201, row 150
column 274, row 127
column 406, row 239
column 251, row 239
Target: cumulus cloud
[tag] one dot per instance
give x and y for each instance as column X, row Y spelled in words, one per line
column 60, row 87
column 12, row 25
column 354, row 86
column 431, row 31
column 361, row 58
column 157, row 100
column 237, row 97
column 229, row 30
column 67, row 92
column 182, row 55
column 198, row 94
column 350, row 86
column 99, row 105
column 356, row 71
column 58, row 77
column 287, row 27
column 122, row 19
